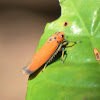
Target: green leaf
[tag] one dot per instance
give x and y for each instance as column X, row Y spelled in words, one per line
column 79, row 77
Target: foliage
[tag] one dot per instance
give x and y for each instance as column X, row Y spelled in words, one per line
column 79, row 77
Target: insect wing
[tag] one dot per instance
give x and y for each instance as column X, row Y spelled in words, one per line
column 40, row 57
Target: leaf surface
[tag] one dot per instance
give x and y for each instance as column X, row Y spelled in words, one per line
column 79, row 77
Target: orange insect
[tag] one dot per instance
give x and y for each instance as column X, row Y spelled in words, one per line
column 47, row 52
column 97, row 54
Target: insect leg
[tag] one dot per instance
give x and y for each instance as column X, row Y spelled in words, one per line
column 44, row 67
column 65, row 45
column 62, row 55
column 53, row 55
column 72, row 44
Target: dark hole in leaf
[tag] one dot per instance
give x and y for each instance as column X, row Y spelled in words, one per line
column 65, row 24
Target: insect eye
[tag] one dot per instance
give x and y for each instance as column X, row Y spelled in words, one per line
column 62, row 36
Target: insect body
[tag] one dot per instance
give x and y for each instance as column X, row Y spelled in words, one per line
column 46, row 53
